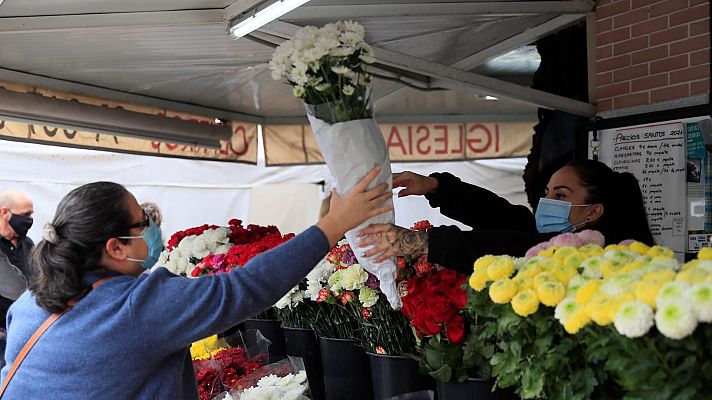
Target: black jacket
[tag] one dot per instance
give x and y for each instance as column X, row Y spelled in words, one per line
column 499, row 227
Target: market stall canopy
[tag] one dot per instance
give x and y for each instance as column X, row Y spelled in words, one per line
column 439, row 61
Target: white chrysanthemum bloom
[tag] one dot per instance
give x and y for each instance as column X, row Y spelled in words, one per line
column 298, row 91
column 676, row 319
column 299, row 74
column 354, row 27
column 288, row 299
column 565, row 308
column 664, row 262
column 705, row 265
column 622, row 256
column 701, row 295
column 672, row 291
column 350, row 38
column 367, row 59
column 617, row 284
column 321, row 271
column 313, row 288
column 592, row 268
column 322, row 87
column 353, row 277
column 348, row 90
column 301, row 376
column 634, row 319
column 336, row 279
column 520, row 262
column 574, row 284
column 367, row 296
column 342, row 51
column 340, row 69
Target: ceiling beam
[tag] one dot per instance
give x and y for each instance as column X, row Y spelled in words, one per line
column 448, row 76
column 445, row 75
column 496, row 49
column 390, row 11
column 39, row 81
column 36, row 108
column 111, row 20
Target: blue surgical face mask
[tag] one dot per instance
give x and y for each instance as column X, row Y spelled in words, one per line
column 152, row 236
column 553, row 216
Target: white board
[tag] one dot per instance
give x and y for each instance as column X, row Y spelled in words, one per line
column 655, row 154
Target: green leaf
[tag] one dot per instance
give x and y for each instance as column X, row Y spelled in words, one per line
column 443, row 374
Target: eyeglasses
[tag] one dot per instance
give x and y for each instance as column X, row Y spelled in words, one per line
column 141, row 224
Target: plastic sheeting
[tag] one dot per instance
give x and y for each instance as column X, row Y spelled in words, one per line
column 192, row 192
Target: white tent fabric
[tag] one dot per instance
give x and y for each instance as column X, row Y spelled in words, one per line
column 192, row 193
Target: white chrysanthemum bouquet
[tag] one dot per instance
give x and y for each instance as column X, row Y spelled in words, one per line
column 327, row 69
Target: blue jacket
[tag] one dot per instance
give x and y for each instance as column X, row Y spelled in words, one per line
column 129, row 337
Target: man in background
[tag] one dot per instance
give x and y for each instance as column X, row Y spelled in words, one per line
column 15, row 220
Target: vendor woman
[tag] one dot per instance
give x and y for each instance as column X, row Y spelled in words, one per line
column 584, row 194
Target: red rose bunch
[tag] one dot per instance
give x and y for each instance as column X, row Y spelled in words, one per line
column 423, row 225
column 433, row 304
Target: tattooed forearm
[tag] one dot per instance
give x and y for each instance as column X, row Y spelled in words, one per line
column 412, row 243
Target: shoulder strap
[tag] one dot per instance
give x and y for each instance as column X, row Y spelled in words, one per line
column 36, row 336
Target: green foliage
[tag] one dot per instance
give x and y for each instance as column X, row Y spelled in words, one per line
column 445, row 361
column 534, row 354
column 653, row 367
column 383, row 328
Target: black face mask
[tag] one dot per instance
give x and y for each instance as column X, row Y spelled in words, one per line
column 20, row 224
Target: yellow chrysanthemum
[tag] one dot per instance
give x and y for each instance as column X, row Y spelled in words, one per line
column 611, row 267
column 647, row 291
column 503, row 290
column 207, row 347
column 591, row 250
column 660, row 251
column 530, row 271
column 617, row 302
column 661, row 275
column 576, row 321
column 639, row 247
column 705, row 253
column 484, row 261
column 587, row 291
column 551, row 293
column 549, row 252
column 543, row 277
column 525, row 302
column 478, row 279
column 599, row 310
column 523, row 282
column 502, row 267
column 574, row 260
column 562, row 252
column 614, row 247
column 630, row 267
column 564, row 274
column 690, row 264
column 691, row 276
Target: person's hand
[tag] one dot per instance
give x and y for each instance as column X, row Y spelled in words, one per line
column 390, row 240
column 414, row 184
column 351, row 210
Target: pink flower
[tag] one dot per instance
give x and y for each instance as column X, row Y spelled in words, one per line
column 627, row 242
column 536, row 249
column 380, row 350
column 590, row 236
column 566, row 239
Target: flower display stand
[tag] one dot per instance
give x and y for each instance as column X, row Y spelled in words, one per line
column 303, row 343
column 472, row 389
column 347, row 372
column 272, row 330
column 396, row 375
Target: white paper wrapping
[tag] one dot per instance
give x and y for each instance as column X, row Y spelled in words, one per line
column 351, row 149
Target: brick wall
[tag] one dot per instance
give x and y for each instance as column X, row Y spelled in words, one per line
column 651, row 51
